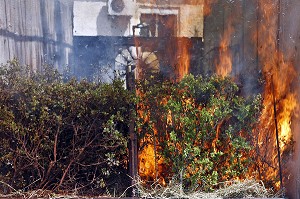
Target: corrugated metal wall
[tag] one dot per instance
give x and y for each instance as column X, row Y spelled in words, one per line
column 36, row 32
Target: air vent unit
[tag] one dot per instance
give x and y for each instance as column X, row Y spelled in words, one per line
column 121, row 7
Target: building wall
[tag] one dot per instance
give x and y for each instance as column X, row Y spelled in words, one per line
column 105, row 35
column 41, row 32
column 93, row 19
column 36, row 32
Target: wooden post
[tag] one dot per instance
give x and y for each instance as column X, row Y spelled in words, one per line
column 133, row 149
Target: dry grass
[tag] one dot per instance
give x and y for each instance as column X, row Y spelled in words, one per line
column 232, row 189
column 34, row 194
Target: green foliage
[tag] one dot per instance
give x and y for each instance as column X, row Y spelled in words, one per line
column 73, row 136
column 62, row 136
column 203, row 128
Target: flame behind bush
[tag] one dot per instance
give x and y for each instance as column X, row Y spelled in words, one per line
column 201, row 129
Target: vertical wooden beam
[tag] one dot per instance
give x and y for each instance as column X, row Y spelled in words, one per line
column 133, row 145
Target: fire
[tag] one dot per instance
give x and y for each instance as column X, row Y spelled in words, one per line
column 207, row 6
column 279, row 99
column 224, row 62
column 150, row 164
column 285, row 118
column 147, row 157
column 218, row 131
column 184, row 57
column 147, row 167
column 224, row 66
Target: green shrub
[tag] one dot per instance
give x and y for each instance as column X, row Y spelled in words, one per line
column 62, row 136
column 73, row 136
column 203, row 128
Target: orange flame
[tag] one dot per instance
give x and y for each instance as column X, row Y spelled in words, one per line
column 224, row 65
column 218, row 131
column 147, row 162
column 184, row 57
column 150, row 164
column 208, row 6
column 279, row 76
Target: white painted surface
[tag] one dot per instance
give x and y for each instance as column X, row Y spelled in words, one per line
column 93, row 19
column 191, row 21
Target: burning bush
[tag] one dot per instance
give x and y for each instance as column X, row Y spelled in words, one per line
column 199, row 128
column 61, row 136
